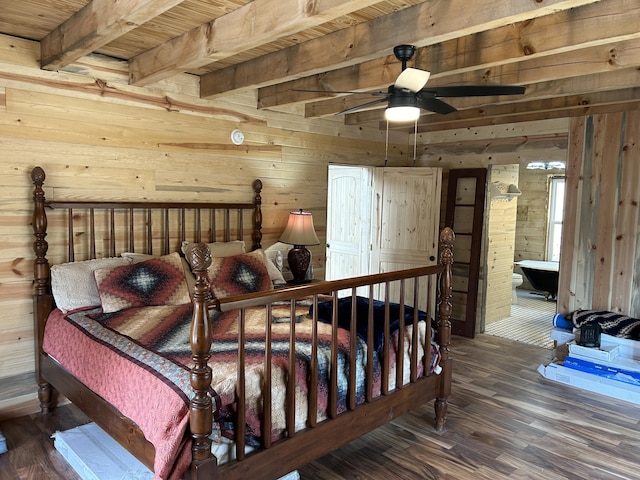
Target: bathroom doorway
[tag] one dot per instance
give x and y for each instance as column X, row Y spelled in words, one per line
column 538, row 227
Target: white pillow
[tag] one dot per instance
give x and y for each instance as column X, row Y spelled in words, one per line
column 272, row 252
column 217, row 249
column 274, row 273
column 73, row 284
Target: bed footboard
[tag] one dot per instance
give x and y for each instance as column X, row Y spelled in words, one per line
column 276, row 458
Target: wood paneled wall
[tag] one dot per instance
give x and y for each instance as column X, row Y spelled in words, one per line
column 98, row 137
column 600, row 260
column 500, row 229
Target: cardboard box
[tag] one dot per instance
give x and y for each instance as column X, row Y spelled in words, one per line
column 627, row 348
column 605, row 353
column 603, row 369
column 562, row 336
column 591, row 382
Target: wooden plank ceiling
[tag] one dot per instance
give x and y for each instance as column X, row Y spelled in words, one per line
column 573, row 56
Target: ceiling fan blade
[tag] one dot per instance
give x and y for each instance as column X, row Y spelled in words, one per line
column 474, row 90
column 435, row 105
column 412, row 79
column 329, row 92
column 360, row 107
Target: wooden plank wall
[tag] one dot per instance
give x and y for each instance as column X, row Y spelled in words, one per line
column 601, row 249
column 97, row 137
column 499, row 250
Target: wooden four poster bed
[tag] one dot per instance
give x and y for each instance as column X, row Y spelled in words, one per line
column 169, row 399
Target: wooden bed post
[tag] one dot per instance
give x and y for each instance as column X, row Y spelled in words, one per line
column 444, row 326
column 201, row 406
column 42, row 298
column 257, row 215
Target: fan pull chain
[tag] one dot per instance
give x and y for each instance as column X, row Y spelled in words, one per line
column 415, row 141
column 386, row 146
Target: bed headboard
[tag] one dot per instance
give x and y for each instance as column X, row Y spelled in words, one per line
column 67, row 231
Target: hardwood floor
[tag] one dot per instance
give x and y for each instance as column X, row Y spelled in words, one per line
column 504, row 421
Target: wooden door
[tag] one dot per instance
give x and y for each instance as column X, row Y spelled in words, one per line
column 349, row 196
column 406, row 222
column 465, row 215
column 406, row 217
column 380, row 220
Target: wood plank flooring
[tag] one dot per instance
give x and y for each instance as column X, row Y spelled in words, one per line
column 504, row 422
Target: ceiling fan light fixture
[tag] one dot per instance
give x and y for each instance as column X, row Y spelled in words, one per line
column 402, row 107
column 402, row 114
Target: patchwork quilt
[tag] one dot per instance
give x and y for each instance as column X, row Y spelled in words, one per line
column 138, row 359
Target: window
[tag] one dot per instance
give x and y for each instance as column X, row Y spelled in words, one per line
column 555, row 217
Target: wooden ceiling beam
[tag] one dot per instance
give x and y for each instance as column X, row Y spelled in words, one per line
column 252, row 25
column 96, row 24
column 590, row 25
column 556, row 141
column 536, row 116
column 422, row 24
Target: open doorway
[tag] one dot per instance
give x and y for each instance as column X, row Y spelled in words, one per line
column 538, row 230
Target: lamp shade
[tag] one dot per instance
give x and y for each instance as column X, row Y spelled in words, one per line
column 300, row 230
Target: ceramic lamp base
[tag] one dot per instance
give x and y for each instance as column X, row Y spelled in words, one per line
column 299, row 258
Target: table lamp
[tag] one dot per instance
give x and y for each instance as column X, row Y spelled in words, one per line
column 299, row 232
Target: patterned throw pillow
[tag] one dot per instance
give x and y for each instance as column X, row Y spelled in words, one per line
column 186, row 268
column 158, row 281
column 239, row 274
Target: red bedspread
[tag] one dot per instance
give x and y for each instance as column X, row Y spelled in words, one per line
column 119, row 371
column 138, row 360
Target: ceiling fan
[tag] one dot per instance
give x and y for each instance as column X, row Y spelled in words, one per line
column 408, row 94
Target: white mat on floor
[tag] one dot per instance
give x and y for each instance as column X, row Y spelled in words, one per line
column 94, row 455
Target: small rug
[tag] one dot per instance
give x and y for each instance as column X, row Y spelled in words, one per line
column 94, row 455
column 530, row 322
